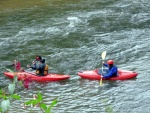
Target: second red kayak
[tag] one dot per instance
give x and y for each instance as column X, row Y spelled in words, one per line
column 34, row 77
column 93, row 75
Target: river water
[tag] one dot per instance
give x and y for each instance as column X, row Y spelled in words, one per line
column 71, row 35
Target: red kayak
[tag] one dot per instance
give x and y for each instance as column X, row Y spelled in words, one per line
column 93, row 75
column 34, row 77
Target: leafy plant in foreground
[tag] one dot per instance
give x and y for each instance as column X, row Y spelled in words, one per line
column 37, row 101
column 6, row 97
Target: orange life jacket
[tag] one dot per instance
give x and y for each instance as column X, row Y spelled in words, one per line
column 46, row 70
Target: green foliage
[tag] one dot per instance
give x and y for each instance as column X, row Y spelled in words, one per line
column 11, row 88
column 43, row 106
column 6, row 96
column 15, row 79
column 48, row 110
column 35, row 101
column 20, row 83
column 9, row 70
column 15, row 96
column 39, row 102
column 5, row 104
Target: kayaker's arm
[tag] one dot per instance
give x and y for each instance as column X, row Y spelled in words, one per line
column 34, row 65
column 105, row 64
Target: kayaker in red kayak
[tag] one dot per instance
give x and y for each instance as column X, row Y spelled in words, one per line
column 112, row 70
column 39, row 58
column 40, row 67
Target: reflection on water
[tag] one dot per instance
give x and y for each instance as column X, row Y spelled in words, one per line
column 10, row 5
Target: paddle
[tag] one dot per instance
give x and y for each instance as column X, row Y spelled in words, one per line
column 30, row 63
column 103, row 55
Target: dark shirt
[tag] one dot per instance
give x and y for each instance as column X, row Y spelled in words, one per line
column 39, row 68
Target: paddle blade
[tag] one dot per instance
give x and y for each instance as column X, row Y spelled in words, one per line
column 103, row 55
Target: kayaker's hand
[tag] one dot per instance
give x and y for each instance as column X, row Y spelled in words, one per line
column 33, row 62
column 28, row 66
column 14, row 61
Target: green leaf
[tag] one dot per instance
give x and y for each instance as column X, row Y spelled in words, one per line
column 20, row 82
column 5, row 97
column 48, row 110
column 11, row 88
column 29, row 102
column 43, row 106
column 39, row 97
column 0, row 109
column 15, row 96
column 10, row 70
column 5, row 104
column 15, row 78
column 1, row 96
column 33, row 102
column 54, row 102
column 1, row 91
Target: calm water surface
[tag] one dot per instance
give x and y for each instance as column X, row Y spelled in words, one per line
column 71, row 35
